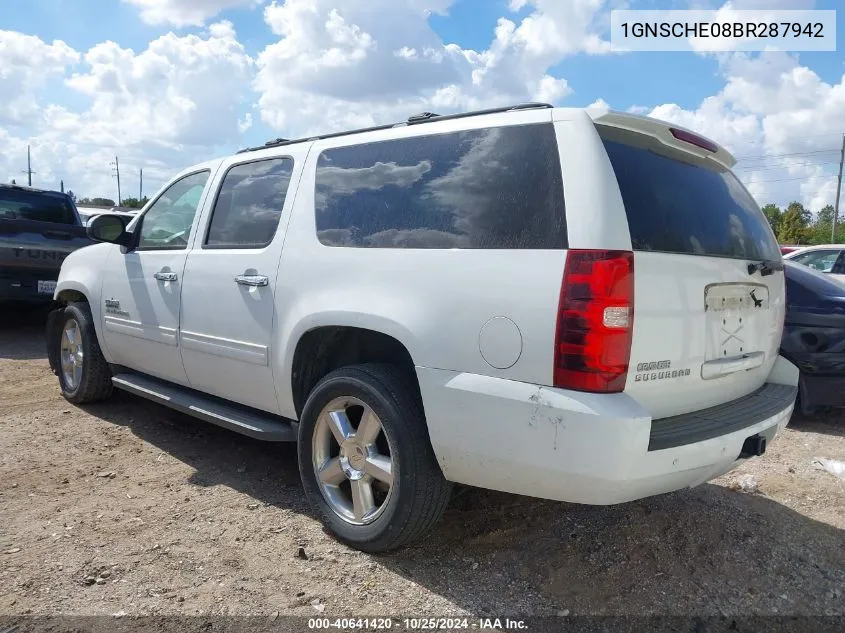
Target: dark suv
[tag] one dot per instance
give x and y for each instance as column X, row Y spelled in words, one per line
column 38, row 229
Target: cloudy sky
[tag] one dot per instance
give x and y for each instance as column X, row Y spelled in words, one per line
column 166, row 83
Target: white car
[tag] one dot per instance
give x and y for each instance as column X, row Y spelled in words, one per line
column 825, row 258
column 535, row 300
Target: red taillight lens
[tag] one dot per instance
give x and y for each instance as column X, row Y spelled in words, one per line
column 595, row 321
column 694, row 139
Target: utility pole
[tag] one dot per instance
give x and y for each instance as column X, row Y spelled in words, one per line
column 838, row 191
column 28, row 171
column 116, row 165
column 141, row 186
column 62, row 185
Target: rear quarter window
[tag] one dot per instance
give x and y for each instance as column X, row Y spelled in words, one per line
column 495, row 188
column 685, row 205
column 16, row 204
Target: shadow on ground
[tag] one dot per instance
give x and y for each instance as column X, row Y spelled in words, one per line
column 704, row 551
column 707, row 550
column 828, row 421
column 22, row 332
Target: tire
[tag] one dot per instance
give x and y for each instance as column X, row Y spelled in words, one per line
column 93, row 382
column 418, row 494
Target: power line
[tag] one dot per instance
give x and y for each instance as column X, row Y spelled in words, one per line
column 788, row 166
column 790, row 186
column 763, row 156
column 760, row 182
column 791, row 138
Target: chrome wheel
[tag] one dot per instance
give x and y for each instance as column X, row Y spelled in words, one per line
column 72, row 354
column 352, row 460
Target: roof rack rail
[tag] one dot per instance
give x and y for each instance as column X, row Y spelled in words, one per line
column 423, row 117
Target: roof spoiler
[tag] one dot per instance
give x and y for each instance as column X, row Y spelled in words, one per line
column 669, row 134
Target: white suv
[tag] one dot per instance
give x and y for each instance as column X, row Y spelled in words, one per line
column 575, row 306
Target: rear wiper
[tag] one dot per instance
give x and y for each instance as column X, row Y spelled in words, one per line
column 766, row 267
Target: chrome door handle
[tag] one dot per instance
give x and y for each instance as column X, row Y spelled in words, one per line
column 252, row 280
column 166, row 276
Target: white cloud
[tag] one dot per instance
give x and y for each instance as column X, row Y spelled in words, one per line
column 336, row 64
column 340, row 63
column 186, row 12
column 26, row 63
column 162, row 109
column 245, row 123
column 179, row 91
column 780, row 119
column 772, row 5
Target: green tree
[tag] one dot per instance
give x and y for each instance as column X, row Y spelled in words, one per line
column 102, row 202
column 794, row 225
column 820, row 231
column 132, row 203
column 773, row 215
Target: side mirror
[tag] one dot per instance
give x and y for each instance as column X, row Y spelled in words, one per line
column 109, row 228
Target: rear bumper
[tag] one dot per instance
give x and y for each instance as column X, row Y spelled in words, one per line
column 578, row 447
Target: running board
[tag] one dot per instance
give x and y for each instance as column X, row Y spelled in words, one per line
column 243, row 420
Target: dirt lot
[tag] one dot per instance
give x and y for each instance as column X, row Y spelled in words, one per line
column 125, row 507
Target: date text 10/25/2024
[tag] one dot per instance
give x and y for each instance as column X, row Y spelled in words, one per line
column 416, row 624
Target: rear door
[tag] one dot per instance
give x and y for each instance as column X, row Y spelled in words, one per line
column 229, row 290
column 707, row 317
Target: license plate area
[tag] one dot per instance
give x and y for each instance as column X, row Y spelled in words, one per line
column 46, row 287
column 736, row 317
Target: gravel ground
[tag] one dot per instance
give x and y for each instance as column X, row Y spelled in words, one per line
column 126, row 507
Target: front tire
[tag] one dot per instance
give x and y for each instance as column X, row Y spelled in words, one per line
column 84, row 374
column 366, row 461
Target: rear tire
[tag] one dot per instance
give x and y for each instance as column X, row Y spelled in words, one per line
column 84, row 374
column 394, row 513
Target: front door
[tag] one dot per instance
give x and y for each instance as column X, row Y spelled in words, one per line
column 142, row 288
column 228, row 295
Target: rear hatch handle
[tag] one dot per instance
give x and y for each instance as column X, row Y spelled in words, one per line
column 765, row 267
column 725, row 366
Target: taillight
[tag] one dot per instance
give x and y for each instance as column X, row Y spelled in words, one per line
column 595, row 321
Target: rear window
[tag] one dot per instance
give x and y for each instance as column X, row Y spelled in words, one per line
column 17, row 204
column 686, row 205
column 496, row 188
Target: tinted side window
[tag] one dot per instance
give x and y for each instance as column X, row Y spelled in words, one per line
column 687, row 206
column 249, row 205
column 166, row 225
column 823, row 261
column 486, row 188
column 18, row 204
